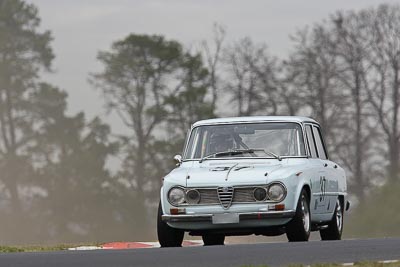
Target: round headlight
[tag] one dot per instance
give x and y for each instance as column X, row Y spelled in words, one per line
column 260, row 194
column 276, row 192
column 176, row 196
column 192, row 196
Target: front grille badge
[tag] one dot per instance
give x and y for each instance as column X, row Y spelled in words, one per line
column 225, row 196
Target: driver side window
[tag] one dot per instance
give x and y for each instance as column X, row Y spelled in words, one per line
column 318, row 141
column 311, row 143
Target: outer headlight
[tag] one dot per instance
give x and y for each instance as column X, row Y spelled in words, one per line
column 176, row 196
column 276, row 192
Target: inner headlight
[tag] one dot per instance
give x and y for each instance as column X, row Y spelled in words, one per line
column 260, row 194
column 192, row 196
column 276, row 192
column 176, row 196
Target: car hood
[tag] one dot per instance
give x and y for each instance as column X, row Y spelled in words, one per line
column 231, row 173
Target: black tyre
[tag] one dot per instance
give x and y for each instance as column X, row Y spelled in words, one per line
column 335, row 226
column 168, row 236
column 298, row 229
column 213, row 239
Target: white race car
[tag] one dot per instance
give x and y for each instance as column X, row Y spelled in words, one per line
column 264, row 175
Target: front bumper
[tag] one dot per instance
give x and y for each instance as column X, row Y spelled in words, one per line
column 242, row 216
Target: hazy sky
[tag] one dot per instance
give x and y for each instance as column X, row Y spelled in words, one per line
column 83, row 27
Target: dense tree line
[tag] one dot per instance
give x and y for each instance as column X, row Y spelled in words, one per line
column 54, row 182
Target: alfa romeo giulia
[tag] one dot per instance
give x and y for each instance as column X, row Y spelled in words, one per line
column 264, row 175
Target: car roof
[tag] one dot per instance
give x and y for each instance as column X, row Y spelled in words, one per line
column 297, row 119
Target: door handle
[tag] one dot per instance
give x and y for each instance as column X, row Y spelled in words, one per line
column 325, row 164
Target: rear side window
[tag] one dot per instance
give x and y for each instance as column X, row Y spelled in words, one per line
column 311, row 143
column 319, row 143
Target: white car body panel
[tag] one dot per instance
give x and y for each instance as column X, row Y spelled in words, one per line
column 325, row 180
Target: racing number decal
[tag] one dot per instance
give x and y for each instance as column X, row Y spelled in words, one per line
column 322, row 182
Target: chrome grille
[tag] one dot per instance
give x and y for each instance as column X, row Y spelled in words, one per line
column 225, row 195
column 244, row 194
column 210, row 196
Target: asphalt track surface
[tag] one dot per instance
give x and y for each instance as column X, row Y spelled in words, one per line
column 273, row 254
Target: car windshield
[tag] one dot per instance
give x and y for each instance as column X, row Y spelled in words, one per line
column 247, row 139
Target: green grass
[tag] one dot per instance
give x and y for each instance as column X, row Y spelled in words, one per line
column 37, row 248
column 377, row 216
column 357, row 264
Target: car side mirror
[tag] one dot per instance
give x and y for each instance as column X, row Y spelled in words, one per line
column 178, row 159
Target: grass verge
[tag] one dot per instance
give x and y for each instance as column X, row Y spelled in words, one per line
column 357, row 264
column 37, row 248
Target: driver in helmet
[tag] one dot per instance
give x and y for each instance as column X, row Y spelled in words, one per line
column 221, row 143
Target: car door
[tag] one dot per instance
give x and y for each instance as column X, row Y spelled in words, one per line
column 330, row 186
column 318, row 179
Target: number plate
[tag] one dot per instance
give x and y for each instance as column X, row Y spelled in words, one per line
column 225, row 218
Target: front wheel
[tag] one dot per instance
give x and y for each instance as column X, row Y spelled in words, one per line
column 298, row 229
column 168, row 236
column 335, row 226
column 213, row 239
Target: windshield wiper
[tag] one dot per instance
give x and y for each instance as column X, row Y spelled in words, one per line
column 239, row 151
column 268, row 153
column 228, row 152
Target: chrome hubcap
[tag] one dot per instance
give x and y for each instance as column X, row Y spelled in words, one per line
column 306, row 214
column 339, row 216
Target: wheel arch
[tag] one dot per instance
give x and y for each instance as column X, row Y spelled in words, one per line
column 162, row 200
column 308, row 190
column 304, row 185
column 342, row 201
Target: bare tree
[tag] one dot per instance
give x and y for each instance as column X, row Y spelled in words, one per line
column 384, row 89
column 212, row 53
column 250, row 74
column 351, row 35
column 291, row 103
column 312, row 69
